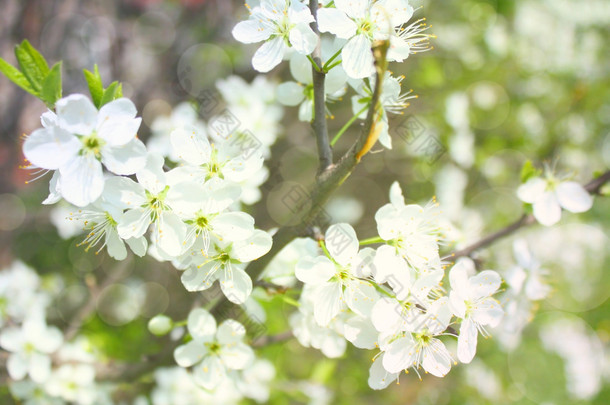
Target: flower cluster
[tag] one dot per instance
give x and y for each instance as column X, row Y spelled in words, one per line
column 392, row 297
column 349, row 31
column 43, row 367
column 192, row 211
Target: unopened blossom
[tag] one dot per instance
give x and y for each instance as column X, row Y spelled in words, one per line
column 81, row 139
column 550, row 194
column 282, row 24
column 214, row 350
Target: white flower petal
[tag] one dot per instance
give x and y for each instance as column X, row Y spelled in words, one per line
column 255, row 246
column 233, row 226
column 137, row 245
column 210, row 373
column 358, row 57
column 170, row 233
column 336, row 22
column 484, row 284
column 269, row 55
column 386, row 314
column 303, row 39
column 360, row 331
column 115, row 245
column 355, row 9
column 190, row 353
column 39, row 367
column 342, row 243
column 573, row 197
column 250, row 31
column 17, row 366
column 191, row 145
column 201, row 325
column 125, row 159
column 399, row 49
column 122, row 192
column 77, row 114
column 400, row 355
column 327, row 302
column 236, row 285
column 379, row 378
column 488, row 312
column 54, row 192
column 547, row 210
column 360, row 296
column 314, row 271
column 82, row 180
column 199, row 279
column 532, row 190
column 436, row 358
column 118, row 130
column 50, row 148
column 133, row 223
column 467, row 341
column 290, row 93
column 237, row 356
column 230, row 331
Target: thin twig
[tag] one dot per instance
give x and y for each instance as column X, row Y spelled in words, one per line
column 319, row 99
column 117, row 273
column 271, row 339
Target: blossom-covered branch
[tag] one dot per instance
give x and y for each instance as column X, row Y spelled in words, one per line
column 592, row 187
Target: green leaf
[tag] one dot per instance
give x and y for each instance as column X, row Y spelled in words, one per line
column 33, row 65
column 15, row 76
column 96, row 87
column 51, row 87
column 528, row 171
column 114, row 91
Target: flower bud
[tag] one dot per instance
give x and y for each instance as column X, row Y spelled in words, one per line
column 160, row 325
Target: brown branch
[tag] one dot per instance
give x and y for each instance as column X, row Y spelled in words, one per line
column 593, row 187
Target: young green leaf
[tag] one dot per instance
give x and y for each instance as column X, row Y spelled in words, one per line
column 96, row 88
column 51, row 87
column 14, row 75
column 114, row 91
column 33, row 65
column 528, row 171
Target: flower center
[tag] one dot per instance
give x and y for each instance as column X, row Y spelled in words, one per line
column 366, row 27
column 213, row 347
column 93, row 144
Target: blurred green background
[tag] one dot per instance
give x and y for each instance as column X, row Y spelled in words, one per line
column 507, row 81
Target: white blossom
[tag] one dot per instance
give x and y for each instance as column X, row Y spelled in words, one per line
column 282, row 24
